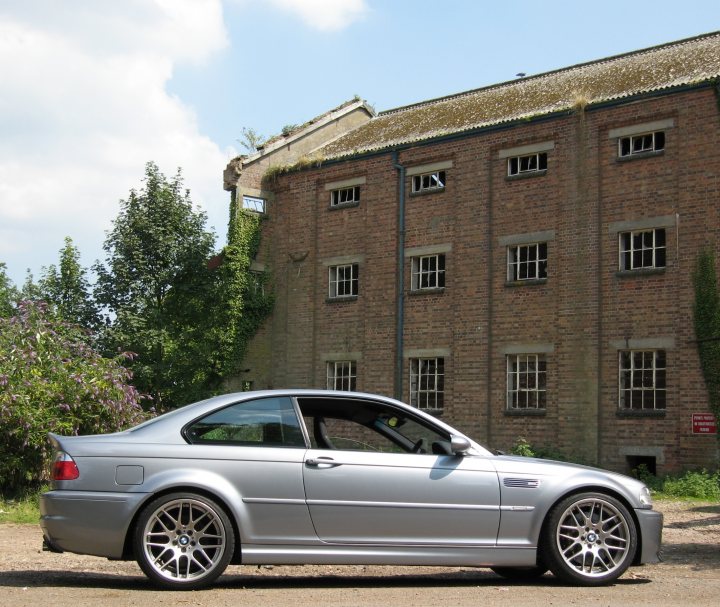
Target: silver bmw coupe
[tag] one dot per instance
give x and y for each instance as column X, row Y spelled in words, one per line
column 322, row 477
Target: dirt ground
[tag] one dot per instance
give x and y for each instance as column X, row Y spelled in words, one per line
column 689, row 576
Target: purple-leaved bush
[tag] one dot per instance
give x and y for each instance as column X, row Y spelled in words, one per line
column 52, row 380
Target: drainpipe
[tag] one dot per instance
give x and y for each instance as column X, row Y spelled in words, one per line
column 400, row 289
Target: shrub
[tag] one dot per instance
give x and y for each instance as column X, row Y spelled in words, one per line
column 524, row 448
column 51, row 380
column 700, row 485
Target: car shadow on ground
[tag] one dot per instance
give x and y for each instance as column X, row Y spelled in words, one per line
column 85, row 579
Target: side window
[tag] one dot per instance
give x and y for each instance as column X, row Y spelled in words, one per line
column 354, row 425
column 265, row 422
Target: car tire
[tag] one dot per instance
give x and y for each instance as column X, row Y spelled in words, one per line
column 183, row 541
column 520, row 573
column 589, row 539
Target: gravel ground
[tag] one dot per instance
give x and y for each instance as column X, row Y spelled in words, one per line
column 690, row 575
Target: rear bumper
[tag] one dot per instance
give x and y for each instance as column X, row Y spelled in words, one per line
column 87, row 522
column 650, row 532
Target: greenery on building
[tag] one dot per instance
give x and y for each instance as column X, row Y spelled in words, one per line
column 707, row 326
column 245, row 300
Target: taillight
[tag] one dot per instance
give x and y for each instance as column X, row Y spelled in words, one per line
column 64, row 468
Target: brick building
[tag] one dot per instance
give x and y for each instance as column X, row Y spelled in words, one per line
column 517, row 258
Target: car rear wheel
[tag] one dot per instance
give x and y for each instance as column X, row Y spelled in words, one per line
column 183, row 541
column 590, row 539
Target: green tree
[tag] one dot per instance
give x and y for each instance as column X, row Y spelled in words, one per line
column 30, row 289
column 251, row 140
column 52, row 380
column 707, row 326
column 8, row 293
column 68, row 289
column 155, row 284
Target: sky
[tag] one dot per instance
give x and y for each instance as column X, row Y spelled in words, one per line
column 92, row 90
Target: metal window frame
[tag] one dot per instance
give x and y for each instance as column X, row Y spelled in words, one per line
column 625, row 401
column 418, row 272
column 513, row 265
column 341, row 375
column 336, row 196
column 433, row 396
column 630, row 251
column 631, row 139
column 513, row 382
column 259, row 205
column 518, row 162
column 334, row 281
column 423, row 181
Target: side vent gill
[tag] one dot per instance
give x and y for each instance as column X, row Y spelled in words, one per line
column 521, row 483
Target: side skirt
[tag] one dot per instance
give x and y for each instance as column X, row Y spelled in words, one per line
column 254, row 554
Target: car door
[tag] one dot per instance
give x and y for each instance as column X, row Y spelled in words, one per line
column 357, row 493
column 258, row 447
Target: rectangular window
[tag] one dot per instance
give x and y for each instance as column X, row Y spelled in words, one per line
column 526, row 381
column 641, row 144
column 531, row 163
column 527, row 262
column 642, row 379
column 252, row 203
column 257, row 283
column 343, row 281
column 428, row 181
column 642, row 249
column 262, row 422
column 341, row 375
column 428, row 272
column 427, row 383
column 345, row 196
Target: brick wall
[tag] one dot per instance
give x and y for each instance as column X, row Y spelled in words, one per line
column 578, row 318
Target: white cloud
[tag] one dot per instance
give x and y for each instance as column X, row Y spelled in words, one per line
column 327, row 15
column 84, row 106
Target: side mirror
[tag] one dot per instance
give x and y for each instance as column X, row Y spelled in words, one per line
column 459, row 445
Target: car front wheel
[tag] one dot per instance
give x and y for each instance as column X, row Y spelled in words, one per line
column 590, row 539
column 183, row 541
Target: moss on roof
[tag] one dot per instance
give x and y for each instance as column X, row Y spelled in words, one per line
column 671, row 65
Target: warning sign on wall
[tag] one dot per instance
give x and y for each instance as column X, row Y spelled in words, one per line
column 704, row 423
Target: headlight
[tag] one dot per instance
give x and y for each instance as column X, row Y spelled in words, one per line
column 645, row 498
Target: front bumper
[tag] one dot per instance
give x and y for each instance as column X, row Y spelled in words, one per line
column 87, row 522
column 650, row 533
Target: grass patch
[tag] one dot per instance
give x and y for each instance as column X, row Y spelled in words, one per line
column 22, row 508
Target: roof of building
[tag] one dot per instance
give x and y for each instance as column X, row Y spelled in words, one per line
column 292, row 132
column 681, row 63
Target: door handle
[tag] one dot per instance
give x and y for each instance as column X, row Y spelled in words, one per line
column 321, row 462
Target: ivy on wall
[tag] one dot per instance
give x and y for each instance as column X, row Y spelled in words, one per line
column 707, row 326
column 245, row 301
